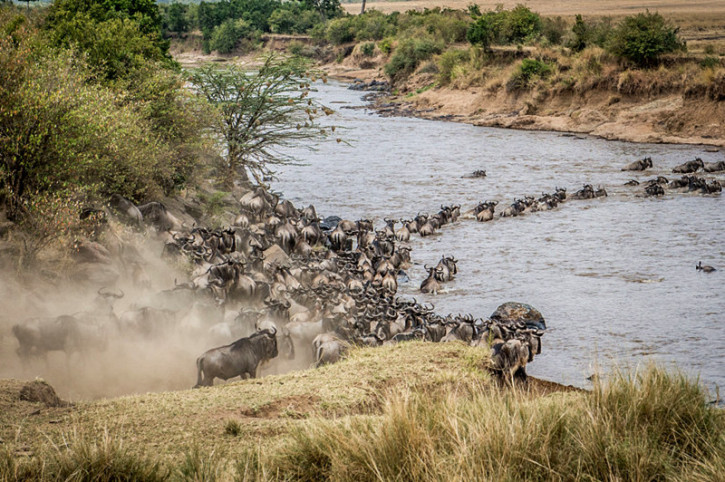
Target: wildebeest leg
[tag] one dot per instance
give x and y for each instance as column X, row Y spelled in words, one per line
column 200, row 370
column 520, row 374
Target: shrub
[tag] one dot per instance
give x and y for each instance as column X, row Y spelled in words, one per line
column 226, row 36
column 293, row 20
column 480, row 32
column 373, row 25
column 710, row 62
column 643, row 38
column 408, row 56
column 386, row 46
column 368, row 49
column 588, row 33
column 518, row 25
column 340, row 31
column 448, row 62
column 528, row 70
column 521, row 25
column 553, row 29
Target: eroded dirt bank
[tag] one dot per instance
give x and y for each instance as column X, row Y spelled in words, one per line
column 665, row 118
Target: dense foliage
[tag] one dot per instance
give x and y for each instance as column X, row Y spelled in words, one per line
column 643, row 38
column 75, row 126
column 219, row 21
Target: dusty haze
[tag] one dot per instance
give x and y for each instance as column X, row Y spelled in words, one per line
column 129, row 364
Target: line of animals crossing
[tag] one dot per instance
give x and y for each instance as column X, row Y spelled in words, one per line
column 282, row 281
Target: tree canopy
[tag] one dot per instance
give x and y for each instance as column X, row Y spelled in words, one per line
column 260, row 114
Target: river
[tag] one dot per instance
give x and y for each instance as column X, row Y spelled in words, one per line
column 614, row 277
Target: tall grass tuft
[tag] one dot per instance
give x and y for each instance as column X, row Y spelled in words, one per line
column 82, row 459
column 198, row 466
column 101, row 459
column 646, row 425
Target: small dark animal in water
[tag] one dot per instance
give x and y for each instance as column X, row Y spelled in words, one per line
column 640, row 165
column 706, row 268
column 654, row 190
column 632, row 182
column 714, row 166
column 477, row 174
column 690, row 166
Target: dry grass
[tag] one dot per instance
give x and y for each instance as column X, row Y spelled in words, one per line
column 413, row 411
column 651, row 425
column 260, row 412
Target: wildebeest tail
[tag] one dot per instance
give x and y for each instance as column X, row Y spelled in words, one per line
column 318, row 355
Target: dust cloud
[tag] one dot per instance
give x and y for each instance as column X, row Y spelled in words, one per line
column 122, row 355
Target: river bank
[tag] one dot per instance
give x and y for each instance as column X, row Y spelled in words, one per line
column 670, row 117
column 619, row 106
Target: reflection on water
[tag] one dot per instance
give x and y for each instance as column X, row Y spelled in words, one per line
column 614, row 277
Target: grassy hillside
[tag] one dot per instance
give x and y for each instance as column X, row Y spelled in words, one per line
column 413, row 411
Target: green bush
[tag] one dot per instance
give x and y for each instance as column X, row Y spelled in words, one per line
column 373, row 25
column 448, row 61
column 340, row 30
column 643, row 38
column 528, row 70
column 710, row 62
column 480, row 32
column 521, row 25
column 139, row 137
column 588, row 33
column 293, row 20
column 503, row 27
column 368, row 49
column 385, row 46
column 553, row 29
column 226, row 36
column 117, row 37
column 409, row 54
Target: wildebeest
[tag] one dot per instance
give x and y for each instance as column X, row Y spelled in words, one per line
column 126, row 210
column 67, row 333
column 509, row 359
column 236, row 359
column 328, row 348
column 705, row 269
column 159, row 217
column 448, row 268
column 432, row 283
column 640, row 165
column 689, row 166
column 714, row 166
column 654, row 190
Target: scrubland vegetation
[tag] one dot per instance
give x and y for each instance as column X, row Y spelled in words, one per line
column 411, row 411
column 92, row 104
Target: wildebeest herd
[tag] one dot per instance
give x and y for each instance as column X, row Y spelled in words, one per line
column 282, row 281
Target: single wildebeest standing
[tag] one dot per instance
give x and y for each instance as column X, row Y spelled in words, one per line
column 237, row 359
column 509, row 360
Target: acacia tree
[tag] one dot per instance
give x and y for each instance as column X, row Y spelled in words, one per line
column 260, row 114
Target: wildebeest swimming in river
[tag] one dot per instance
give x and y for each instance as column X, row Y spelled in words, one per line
column 237, row 359
column 640, row 165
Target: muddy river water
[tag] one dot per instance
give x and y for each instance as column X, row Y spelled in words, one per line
column 614, row 277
